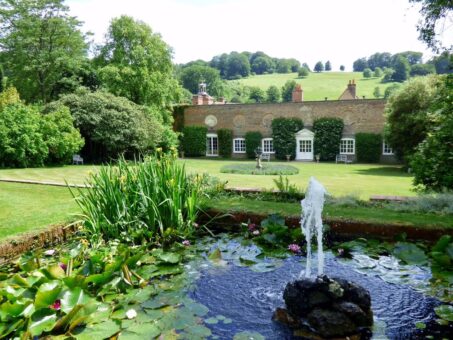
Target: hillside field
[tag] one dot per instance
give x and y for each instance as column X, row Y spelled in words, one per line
column 317, row 86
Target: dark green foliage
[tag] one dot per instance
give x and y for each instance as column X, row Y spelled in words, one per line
column 328, row 66
column 377, row 92
column 422, row 69
column 262, row 64
column 283, row 133
column 368, row 147
column 252, row 141
column 303, row 72
column 377, row 72
column 443, row 63
column 359, row 65
column 2, row 79
column 402, row 69
column 257, row 95
column 342, row 68
column 390, row 90
column 194, row 140
column 273, row 94
column 269, row 169
column 319, row 67
column 238, row 66
column 21, row 140
column 287, row 90
column 328, row 133
column 367, row 73
column 178, row 117
column 192, row 76
column 112, row 125
column 225, row 137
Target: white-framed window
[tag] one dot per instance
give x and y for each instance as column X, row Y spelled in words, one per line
column 268, row 145
column 347, row 146
column 212, row 144
column 386, row 149
column 239, row 145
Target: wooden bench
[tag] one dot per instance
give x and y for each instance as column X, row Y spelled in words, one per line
column 76, row 159
column 266, row 156
column 347, row 159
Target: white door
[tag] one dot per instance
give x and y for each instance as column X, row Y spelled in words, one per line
column 212, row 145
column 304, row 150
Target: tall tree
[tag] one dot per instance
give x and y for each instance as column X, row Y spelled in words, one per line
column 273, row 94
column 238, row 66
column 136, row 63
column 287, row 90
column 193, row 75
column 40, row 42
column 319, row 67
column 402, row 69
column 328, row 66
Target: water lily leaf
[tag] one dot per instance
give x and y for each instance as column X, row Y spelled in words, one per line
column 227, row 321
column 248, row 336
column 263, row 267
column 442, row 244
column 5, row 330
column 139, row 331
column 47, row 294
column 28, row 265
column 166, row 257
column 99, row 279
column 211, row 321
column 72, row 298
column 13, row 310
column 410, row 253
column 220, row 317
column 420, row 325
column 42, row 321
column 101, row 330
column 64, row 322
column 74, row 281
column 449, row 250
column 215, row 255
column 198, row 331
column 445, row 312
column 20, row 281
column 196, row 308
column 54, row 272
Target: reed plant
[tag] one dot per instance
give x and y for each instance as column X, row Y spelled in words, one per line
column 140, row 201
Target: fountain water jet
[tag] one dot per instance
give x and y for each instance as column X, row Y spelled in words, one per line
column 311, row 222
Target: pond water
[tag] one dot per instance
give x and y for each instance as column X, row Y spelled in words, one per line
column 246, row 287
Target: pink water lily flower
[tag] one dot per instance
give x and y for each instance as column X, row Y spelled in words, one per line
column 56, row 305
column 294, row 248
column 63, row 266
column 186, row 243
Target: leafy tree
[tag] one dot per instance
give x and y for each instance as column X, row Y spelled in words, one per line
column 377, row 92
column 408, row 115
column 359, row 65
column 377, row 72
column 40, row 43
column 136, row 63
column 287, row 90
column 443, row 63
column 283, row 66
column 402, row 69
column 60, row 136
column 391, row 90
column 367, row 73
column 306, row 66
column 220, row 62
column 273, row 94
column 328, row 66
column 262, row 64
column 257, row 95
column 238, row 66
column 193, row 75
column 328, row 132
column 303, row 72
column 319, row 67
column 252, row 141
column 433, row 11
column 225, row 138
column 8, row 97
column 342, row 68
column 379, row 60
column 294, row 64
column 388, row 75
column 112, row 125
column 21, row 140
column 412, row 57
column 422, row 69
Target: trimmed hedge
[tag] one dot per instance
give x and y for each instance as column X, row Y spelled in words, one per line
column 283, row 133
column 225, row 137
column 194, row 140
column 368, row 147
column 252, row 141
column 328, row 132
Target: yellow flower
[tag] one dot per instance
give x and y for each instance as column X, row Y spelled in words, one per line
column 159, row 150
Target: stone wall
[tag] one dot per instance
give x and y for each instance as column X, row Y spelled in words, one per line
column 358, row 115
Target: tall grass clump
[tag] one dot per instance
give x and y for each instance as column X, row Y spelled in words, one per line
column 136, row 202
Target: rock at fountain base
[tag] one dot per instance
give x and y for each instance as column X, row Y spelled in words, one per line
column 330, row 307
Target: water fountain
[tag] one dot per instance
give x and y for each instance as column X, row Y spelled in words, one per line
column 323, row 306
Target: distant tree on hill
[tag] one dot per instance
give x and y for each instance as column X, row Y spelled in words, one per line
column 319, row 67
column 328, row 66
column 303, row 72
column 294, row 64
column 379, row 60
column 262, row 64
column 443, row 63
column 273, row 94
column 422, row 69
column 283, row 66
column 377, row 72
column 412, row 57
column 193, row 75
column 359, row 65
column 287, row 90
column 402, row 69
column 306, row 66
column 388, row 74
column 257, row 95
column 220, row 62
column 238, row 66
column 342, row 67
column 391, row 90
column 377, row 92
column 367, row 73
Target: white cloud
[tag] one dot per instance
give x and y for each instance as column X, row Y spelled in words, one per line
column 309, row 30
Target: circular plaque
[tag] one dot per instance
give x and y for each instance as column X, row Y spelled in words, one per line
column 267, row 120
column 239, row 121
column 210, row 121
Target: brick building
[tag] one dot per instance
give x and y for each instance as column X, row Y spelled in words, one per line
column 358, row 115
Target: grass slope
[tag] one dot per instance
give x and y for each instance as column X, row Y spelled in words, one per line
column 317, row 86
column 30, row 208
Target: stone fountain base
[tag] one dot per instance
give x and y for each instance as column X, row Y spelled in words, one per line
column 327, row 307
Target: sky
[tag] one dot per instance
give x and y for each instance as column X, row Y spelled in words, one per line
column 308, row 30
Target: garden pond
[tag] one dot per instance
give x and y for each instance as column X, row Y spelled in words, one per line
column 223, row 287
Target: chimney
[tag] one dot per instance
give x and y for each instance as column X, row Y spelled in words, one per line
column 352, row 89
column 298, row 94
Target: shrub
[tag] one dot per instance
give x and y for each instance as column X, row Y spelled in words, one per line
column 9, row 96
column 21, row 140
column 303, row 72
column 225, row 137
column 194, row 140
column 283, row 133
column 252, row 141
column 367, row 73
column 112, row 125
column 368, row 147
column 137, row 202
column 377, row 72
column 328, row 132
column 273, row 94
column 61, row 137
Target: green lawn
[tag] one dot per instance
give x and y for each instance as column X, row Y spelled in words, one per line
column 29, row 208
column 362, row 180
column 317, row 86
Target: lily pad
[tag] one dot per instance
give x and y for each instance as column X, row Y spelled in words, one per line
column 248, row 336
column 445, row 312
column 99, row 331
column 47, row 294
column 211, row 321
column 72, row 298
column 410, row 253
column 42, row 321
column 139, row 331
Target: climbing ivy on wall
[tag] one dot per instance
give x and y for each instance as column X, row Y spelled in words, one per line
column 194, row 140
column 252, row 141
column 283, row 133
column 225, row 137
column 368, row 147
column 328, row 132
